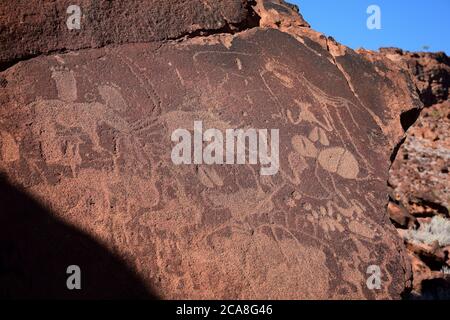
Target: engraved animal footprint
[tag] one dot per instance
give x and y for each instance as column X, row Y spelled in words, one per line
column 327, row 219
column 333, row 159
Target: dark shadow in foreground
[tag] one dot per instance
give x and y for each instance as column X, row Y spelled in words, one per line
column 36, row 249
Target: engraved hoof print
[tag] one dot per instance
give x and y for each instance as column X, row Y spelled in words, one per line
column 332, row 159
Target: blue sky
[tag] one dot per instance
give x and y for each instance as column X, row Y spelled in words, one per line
column 407, row 24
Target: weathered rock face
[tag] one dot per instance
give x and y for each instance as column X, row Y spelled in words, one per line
column 28, row 31
column 419, row 174
column 420, row 180
column 430, row 71
column 87, row 133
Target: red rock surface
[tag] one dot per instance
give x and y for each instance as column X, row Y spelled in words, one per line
column 430, row 71
column 30, row 29
column 85, row 138
column 419, row 175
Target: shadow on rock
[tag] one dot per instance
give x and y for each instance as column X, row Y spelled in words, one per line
column 36, row 250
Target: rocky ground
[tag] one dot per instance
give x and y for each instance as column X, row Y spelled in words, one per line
column 420, row 180
column 87, row 178
column 419, row 176
column 420, row 199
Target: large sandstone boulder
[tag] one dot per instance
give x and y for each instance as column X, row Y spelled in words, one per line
column 86, row 135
